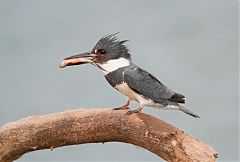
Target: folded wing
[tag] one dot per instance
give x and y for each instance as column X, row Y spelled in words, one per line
column 147, row 85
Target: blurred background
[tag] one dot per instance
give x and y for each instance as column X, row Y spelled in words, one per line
column 191, row 46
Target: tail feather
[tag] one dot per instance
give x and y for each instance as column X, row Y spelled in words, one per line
column 183, row 109
column 179, row 98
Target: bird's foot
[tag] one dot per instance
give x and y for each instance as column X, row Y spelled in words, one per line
column 121, row 108
column 124, row 107
column 139, row 109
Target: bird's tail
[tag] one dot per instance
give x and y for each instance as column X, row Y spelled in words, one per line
column 183, row 109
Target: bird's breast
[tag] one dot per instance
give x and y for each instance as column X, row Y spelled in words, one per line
column 132, row 95
column 114, row 78
column 127, row 91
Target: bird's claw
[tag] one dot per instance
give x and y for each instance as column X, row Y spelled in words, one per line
column 134, row 111
column 121, row 108
column 129, row 113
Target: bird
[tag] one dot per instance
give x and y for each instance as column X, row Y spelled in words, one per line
column 112, row 56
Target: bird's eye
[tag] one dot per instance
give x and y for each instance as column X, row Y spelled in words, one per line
column 102, row 51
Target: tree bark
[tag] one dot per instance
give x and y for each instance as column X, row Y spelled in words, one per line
column 100, row 125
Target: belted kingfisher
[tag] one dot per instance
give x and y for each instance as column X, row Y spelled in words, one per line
column 113, row 58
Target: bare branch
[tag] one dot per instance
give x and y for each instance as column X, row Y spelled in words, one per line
column 100, row 125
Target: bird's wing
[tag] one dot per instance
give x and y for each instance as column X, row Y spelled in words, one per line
column 147, row 85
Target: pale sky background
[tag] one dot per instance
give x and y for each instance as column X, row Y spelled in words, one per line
column 191, row 46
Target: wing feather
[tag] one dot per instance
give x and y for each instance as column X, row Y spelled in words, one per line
column 147, row 85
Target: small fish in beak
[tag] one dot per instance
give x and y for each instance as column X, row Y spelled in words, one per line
column 77, row 60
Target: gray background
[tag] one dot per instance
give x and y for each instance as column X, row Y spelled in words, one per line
column 191, row 46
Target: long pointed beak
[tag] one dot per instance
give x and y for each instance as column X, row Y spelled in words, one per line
column 79, row 59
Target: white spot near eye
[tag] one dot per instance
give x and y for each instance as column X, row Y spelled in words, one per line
column 95, row 51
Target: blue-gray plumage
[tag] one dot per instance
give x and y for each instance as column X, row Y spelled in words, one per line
column 113, row 58
column 142, row 83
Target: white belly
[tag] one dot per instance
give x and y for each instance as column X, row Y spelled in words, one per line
column 127, row 91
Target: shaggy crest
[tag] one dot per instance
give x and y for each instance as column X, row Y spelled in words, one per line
column 113, row 47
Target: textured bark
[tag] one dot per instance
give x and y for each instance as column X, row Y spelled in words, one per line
column 100, row 125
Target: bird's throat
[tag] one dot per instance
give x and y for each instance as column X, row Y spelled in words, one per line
column 112, row 65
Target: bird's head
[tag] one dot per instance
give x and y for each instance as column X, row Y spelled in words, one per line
column 108, row 54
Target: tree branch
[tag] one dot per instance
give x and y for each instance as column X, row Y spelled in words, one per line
column 100, row 125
